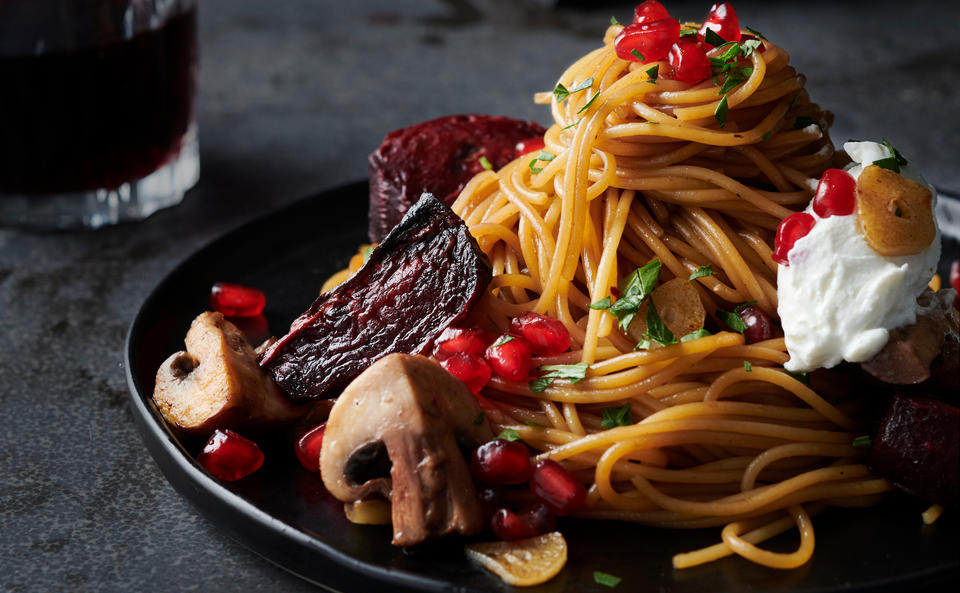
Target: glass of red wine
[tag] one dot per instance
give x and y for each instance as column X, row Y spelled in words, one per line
column 96, row 110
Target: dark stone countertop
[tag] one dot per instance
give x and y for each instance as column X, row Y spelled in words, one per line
column 294, row 95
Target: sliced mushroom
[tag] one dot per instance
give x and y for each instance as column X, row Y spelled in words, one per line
column 397, row 432
column 217, row 383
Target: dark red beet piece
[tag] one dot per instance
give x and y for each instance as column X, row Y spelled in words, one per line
column 308, row 448
column 557, row 487
column 437, row 156
column 229, row 456
column 425, row 276
column 533, row 520
column 501, row 462
column 236, row 300
column 917, row 447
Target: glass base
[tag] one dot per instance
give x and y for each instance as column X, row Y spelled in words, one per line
column 93, row 209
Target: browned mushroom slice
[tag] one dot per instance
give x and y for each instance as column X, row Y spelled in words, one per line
column 397, row 431
column 217, row 383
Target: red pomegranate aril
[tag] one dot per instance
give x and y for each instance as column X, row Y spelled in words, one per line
column 308, row 447
column 836, row 194
column 510, row 357
column 472, row 369
column 236, row 300
column 955, row 281
column 529, row 145
column 650, row 10
column 759, row 325
column 229, row 456
column 792, row 228
column 546, row 336
column 688, row 62
column 722, row 19
column 557, row 487
column 529, row 522
column 651, row 39
column 501, row 462
column 457, row 340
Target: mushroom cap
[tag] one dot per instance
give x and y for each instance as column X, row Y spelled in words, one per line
column 410, row 410
column 217, row 382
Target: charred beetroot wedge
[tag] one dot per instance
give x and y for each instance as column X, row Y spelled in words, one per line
column 917, row 447
column 438, row 156
column 425, row 276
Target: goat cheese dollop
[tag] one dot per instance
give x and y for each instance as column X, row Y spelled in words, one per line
column 839, row 298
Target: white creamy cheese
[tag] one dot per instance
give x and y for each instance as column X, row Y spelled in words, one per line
column 839, row 298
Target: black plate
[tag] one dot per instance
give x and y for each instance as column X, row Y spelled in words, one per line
column 283, row 512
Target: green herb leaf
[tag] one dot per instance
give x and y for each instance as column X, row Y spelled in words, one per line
column 588, row 103
column 700, row 333
column 509, row 434
column 613, row 21
column 582, row 86
column 486, row 164
column 702, row 271
column 793, row 101
column 643, row 345
column 802, row 377
column 605, row 579
column 367, row 252
column 720, row 113
column 654, row 72
column 767, row 134
column 479, row 419
column 687, row 32
column 749, row 46
column 896, row 153
column 503, row 340
column 732, row 320
column 863, row 441
column 534, row 424
column 560, row 92
column 638, row 285
column 543, row 156
column 732, row 52
column 755, row 32
column 616, row 416
column 571, row 372
column 657, row 330
column 747, row 366
column 890, row 162
column 602, row 304
column 743, row 306
column 636, row 54
column 711, row 37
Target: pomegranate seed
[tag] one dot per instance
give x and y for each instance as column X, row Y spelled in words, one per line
column 557, row 488
column 792, row 228
column 759, row 325
column 955, row 281
column 236, row 300
column 510, row 357
column 651, row 39
column 308, row 448
column 722, row 19
column 229, row 456
column 473, row 370
column 836, row 194
column 529, row 145
column 650, row 10
column 456, row 340
column 531, row 521
column 546, row 336
column 501, row 462
column 688, row 62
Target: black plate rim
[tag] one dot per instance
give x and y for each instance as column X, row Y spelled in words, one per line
column 202, row 489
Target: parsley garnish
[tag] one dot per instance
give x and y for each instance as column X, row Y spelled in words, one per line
column 711, row 37
column 503, row 340
column 700, row 333
column 767, row 134
column 749, row 46
column 614, row 21
column 479, row 419
column 687, row 32
column 653, row 73
column 616, row 416
column 561, row 92
column 639, row 284
column 485, row 163
column 636, row 54
column 735, row 78
column 509, row 434
column 720, row 113
column 755, row 32
column 588, row 103
column 657, row 330
column 367, row 252
column 605, row 579
column 534, row 424
column 896, row 153
column 571, row 372
column 643, row 345
column 743, row 306
column 702, row 271
column 890, row 162
column 802, row 377
column 793, row 101
column 602, row 304
column 543, row 156
column 863, row 441
column 732, row 320
column 747, row 366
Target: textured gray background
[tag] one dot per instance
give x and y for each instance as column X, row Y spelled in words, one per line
column 294, row 95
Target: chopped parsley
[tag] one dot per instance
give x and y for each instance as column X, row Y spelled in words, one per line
column 888, row 163
column 767, row 134
column 863, row 441
column 743, row 306
column 657, row 330
column 602, row 304
column 711, row 37
column 636, row 54
column 639, row 284
column 793, row 101
column 747, row 366
column 534, row 424
column 613, row 21
column 367, row 252
column 486, row 164
column 606, row 579
column 802, row 377
column 687, row 32
column 896, row 153
column 702, row 271
column 589, row 103
column 503, row 340
column 696, row 335
column 652, row 73
column 755, row 32
column 749, row 46
column 509, row 434
column 561, row 93
column 720, row 113
column 732, row 320
column 616, row 416
column 552, row 372
column 545, row 157
column 479, row 419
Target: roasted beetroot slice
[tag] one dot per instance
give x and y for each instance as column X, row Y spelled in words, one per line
column 437, row 156
column 917, row 446
column 426, row 275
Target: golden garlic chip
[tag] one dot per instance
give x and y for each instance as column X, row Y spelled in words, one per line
column 523, row 562
column 895, row 213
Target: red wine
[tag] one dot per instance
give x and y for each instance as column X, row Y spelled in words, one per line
column 97, row 117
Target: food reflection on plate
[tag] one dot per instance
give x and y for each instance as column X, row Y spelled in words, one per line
column 679, row 305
